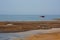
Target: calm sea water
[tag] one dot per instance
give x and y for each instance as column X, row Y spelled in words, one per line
column 27, row 17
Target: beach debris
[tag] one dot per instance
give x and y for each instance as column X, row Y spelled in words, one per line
column 9, row 24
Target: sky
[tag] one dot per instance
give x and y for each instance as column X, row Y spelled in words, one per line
column 29, row 7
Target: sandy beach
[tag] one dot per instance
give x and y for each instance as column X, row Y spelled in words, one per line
column 52, row 34
column 49, row 36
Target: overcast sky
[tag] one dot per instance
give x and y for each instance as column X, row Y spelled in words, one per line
column 29, row 7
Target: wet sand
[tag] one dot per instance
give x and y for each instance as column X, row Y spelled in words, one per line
column 28, row 34
column 12, row 27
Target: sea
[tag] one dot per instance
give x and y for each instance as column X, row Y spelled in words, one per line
column 23, row 35
column 27, row 17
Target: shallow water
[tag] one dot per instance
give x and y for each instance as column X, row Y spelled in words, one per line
column 22, row 35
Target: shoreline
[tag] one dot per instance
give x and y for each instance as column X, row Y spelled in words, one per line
column 27, row 34
column 28, row 20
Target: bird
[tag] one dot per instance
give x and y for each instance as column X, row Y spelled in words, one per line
column 42, row 16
